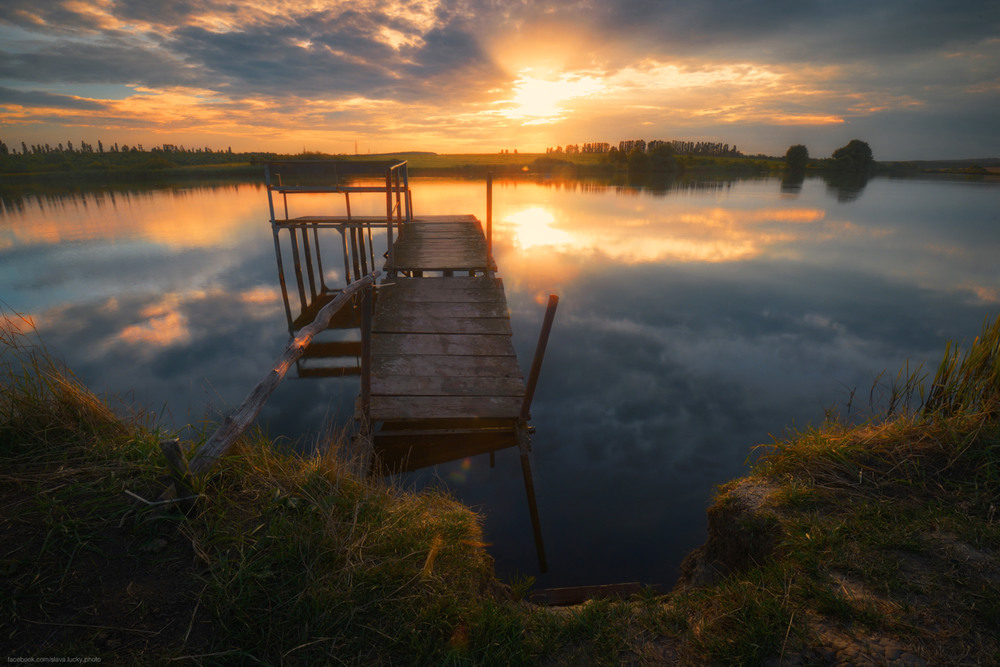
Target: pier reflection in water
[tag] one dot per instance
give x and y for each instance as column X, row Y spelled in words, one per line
column 439, row 377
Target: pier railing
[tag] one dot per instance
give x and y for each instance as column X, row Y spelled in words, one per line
column 397, row 198
column 286, row 178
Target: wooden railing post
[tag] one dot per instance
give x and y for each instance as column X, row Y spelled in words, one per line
column 489, row 220
column 366, row 348
column 536, row 363
column 388, row 220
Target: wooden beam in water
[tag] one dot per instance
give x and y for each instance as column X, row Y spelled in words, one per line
column 579, row 594
column 237, row 421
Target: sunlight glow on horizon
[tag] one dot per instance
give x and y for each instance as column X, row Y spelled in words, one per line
column 542, row 100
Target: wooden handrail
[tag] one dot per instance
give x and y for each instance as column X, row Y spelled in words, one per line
column 237, row 421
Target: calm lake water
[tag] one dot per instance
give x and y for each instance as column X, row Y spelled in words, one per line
column 695, row 322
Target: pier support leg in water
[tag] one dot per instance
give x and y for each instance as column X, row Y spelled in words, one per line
column 524, row 444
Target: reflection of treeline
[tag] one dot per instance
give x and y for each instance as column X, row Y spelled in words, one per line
column 708, row 148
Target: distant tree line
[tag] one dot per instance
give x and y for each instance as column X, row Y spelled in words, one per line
column 856, row 156
column 85, row 157
column 84, row 147
column 707, row 148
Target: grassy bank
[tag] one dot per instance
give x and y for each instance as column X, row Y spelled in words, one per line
column 876, row 542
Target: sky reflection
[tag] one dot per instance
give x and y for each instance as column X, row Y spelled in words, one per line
column 695, row 322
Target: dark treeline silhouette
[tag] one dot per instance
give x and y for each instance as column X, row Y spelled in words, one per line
column 856, row 156
column 84, row 147
column 84, row 157
column 707, row 148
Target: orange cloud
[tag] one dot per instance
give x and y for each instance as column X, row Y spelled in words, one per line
column 164, row 324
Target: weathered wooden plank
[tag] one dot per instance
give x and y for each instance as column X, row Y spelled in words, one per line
column 443, row 231
column 389, row 308
column 325, row 349
column 429, row 324
column 442, row 243
column 347, row 317
column 449, row 227
column 437, row 264
column 433, row 385
column 385, row 408
column 429, row 254
column 447, row 366
column 442, row 219
column 489, row 300
column 452, row 289
column 328, row 371
column 452, row 344
column 433, row 263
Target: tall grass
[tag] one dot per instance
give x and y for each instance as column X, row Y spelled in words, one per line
column 42, row 403
column 970, row 385
column 296, row 558
column 886, row 528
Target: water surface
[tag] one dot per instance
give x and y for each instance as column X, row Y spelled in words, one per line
column 696, row 321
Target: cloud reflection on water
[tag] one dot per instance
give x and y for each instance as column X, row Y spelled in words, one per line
column 694, row 323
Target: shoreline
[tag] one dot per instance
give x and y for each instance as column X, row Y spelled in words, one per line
column 878, row 542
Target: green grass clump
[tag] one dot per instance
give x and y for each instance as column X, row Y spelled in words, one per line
column 883, row 532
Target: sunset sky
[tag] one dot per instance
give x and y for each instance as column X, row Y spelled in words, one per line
column 916, row 79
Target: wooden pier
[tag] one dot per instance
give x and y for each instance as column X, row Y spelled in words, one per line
column 440, row 380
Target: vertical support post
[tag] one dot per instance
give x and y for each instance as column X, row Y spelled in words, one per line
column 407, row 194
column 371, row 244
column 399, row 203
column 388, row 221
column 355, row 252
column 536, row 525
column 489, row 222
column 362, row 253
column 297, row 263
column 275, row 230
column 281, row 279
column 347, row 254
column 270, row 194
column 536, row 363
column 366, row 349
column 309, row 263
column 319, row 259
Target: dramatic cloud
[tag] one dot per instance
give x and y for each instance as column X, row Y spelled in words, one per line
column 914, row 79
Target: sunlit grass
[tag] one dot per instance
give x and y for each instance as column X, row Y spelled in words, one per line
column 839, row 535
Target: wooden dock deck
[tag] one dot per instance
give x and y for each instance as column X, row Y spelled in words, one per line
column 446, row 243
column 445, row 380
